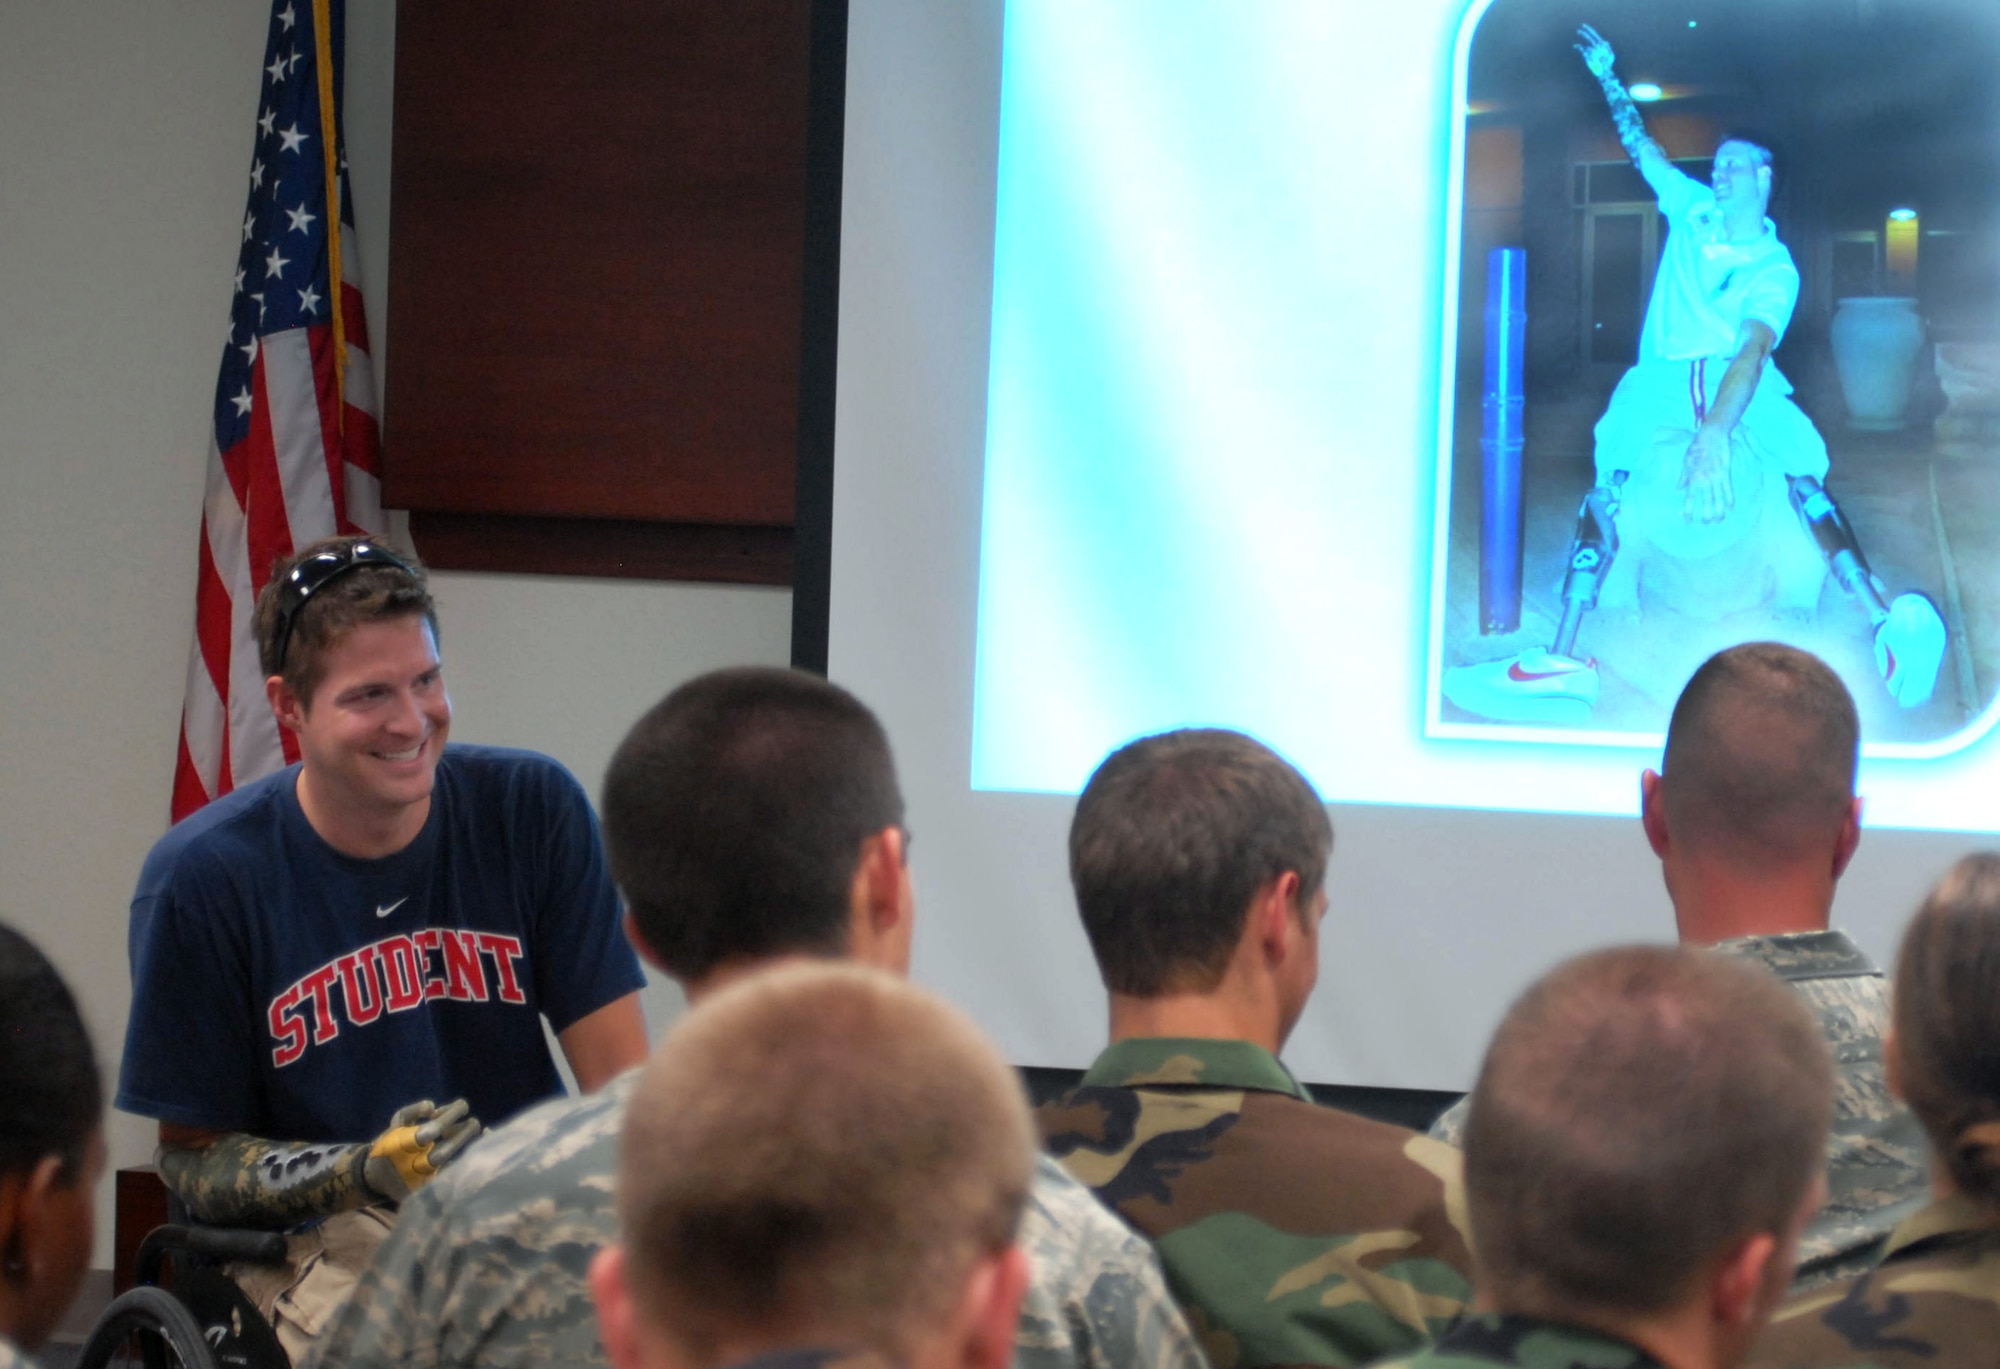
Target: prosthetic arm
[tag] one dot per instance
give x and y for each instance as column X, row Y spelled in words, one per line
column 1598, row 56
column 242, row 1180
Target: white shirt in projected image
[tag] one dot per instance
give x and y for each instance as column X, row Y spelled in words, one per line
column 1707, row 286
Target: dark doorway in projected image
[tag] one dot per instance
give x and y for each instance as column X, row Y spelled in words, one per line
column 1888, row 200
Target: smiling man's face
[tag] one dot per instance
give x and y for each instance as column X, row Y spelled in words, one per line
column 377, row 721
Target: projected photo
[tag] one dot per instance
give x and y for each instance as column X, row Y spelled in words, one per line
column 1723, row 361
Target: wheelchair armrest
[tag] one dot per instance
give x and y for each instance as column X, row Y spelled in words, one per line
column 220, row 1243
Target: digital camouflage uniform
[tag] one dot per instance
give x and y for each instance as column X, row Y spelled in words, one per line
column 1933, row 1301
column 488, row 1263
column 1292, row 1233
column 1525, row 1343
column 1877, row 1172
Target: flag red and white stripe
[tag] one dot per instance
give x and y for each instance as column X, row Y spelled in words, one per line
column 296, row 451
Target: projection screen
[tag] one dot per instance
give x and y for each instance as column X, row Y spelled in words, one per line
column 1161, row 402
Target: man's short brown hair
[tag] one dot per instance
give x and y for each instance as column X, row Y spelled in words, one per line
column 1639, row 1111
column 1172, row 839
column 1761, row 754
column 366, row 594
column 820, row 1152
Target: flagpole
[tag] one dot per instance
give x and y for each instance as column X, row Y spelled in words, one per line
column 329, row 126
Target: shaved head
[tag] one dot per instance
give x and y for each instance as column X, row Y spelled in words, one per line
column 1639, row 1111
column 818, row 1155
column 1761, row 756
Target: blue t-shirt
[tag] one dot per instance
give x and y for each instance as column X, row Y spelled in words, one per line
column 283, row 989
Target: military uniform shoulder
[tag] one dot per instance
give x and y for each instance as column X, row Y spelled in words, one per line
column 1934, row 1301
column 1802, row 955
column 1531, row 1343
column 564, row 1138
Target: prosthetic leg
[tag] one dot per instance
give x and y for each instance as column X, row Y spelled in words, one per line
column 1909, row 634
column 1552, row 684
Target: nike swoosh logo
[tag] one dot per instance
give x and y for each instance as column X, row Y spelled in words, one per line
column 1514, row 672
column 384, row 912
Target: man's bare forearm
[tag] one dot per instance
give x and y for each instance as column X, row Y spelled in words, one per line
column 243, row 1180
column 1732, row 396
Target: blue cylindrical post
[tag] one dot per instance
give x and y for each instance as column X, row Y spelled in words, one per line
column 1500, row 442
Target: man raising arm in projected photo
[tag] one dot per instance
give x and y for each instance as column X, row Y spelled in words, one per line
column 1701, row 449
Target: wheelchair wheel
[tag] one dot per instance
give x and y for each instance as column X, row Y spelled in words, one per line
column 164, row 1333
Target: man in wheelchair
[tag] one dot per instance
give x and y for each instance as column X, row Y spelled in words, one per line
column 341, row 970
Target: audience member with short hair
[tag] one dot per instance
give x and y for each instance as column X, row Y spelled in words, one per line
column 1934, row 1298
column 1294, row 1234
column 821, row 1165
column 51, row 1147
column 1643, row 1150
column 1754, row 818
column 752, row 816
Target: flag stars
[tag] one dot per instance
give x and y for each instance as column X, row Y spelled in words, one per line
column 292, row 138
column 256, row 175
column 287, row 16
column 276, row 71
column 239, row 280
column 267, row 121
column 249, row 225
column 249, row 350
column 241, row 399
column 260, row 306
column 275, row 264
column 301, row 220
column 291, row 63
column 309, row 300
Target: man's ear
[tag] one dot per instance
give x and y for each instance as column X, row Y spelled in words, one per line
column 879, row 904
column 1738, row 1296
column 286, row 705
column 1850, row 837
column 617, row 1323
column 1653, row 811
column 1277, row 917
column 989, row 1312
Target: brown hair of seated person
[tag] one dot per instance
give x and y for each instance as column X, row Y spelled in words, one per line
column 1644, row 1116
column 819, row 1156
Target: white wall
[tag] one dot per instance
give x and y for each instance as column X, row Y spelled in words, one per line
column 125, row 134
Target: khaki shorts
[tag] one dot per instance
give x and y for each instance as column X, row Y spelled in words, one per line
column 299, row 1296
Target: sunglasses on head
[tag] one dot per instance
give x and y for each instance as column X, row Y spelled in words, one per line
column 319, row 570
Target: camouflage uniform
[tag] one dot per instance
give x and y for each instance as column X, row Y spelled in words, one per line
column 1525, row 1343
column 1293, row 1234
column 1877, row 1173
column 488, row 1263
column 1933, row 1301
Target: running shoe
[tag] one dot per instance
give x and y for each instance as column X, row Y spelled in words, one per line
column 1536, row 686
column 1909, row 648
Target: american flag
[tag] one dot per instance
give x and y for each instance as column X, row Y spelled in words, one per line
column 296, row 449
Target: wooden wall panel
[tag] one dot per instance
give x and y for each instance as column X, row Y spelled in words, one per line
column 598, row 227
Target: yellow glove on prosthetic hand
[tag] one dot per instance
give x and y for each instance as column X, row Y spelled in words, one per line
column 421, row 1139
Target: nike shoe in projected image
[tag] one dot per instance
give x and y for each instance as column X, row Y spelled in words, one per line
column 1909, row 648
column 1536, row 686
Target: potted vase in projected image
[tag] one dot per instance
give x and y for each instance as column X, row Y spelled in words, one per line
column 1876, row 342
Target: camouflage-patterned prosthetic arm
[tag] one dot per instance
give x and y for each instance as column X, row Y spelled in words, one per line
column 1598, row 56
column 243, row 1180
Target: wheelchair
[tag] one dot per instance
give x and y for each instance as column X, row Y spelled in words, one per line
column 198, row 1318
